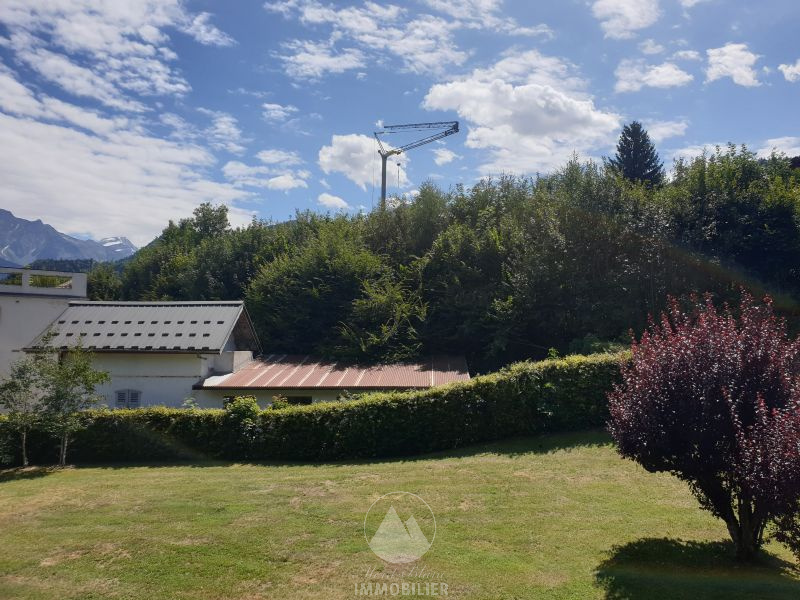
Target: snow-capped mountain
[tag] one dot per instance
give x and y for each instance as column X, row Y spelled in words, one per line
column 119, row 246
column 23, row 241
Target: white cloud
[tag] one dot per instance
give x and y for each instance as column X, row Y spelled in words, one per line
column 277, row 112
column 687, row 55
column 530, row 111
column 442, row 156
column 692, row 151
column 789, row 145
column 691, row 3
column 123, row 183
column 75, row 79
column 123, row 44
column 224, row 132
column 333, row 202
column 285, row 182
column 206, row 33
column 17, row 99
column 279, row 157
column 620, row 19
column 486, row 14
column 633, row 75
column 651, row 47
column 356, row 157
column 312, row 60
column 424, row 44
column 661, row 130
column 734, row 61
column 88, row 169
column 791, row 72
column 242, row 175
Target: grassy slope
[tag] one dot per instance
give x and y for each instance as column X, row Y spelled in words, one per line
column 552, row 517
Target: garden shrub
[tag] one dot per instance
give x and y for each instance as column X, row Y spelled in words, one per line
column 712, row 395
column 522, row 399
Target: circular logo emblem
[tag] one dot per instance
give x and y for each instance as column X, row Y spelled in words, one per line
column 399, row 527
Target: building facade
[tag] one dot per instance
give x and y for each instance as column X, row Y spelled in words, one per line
column 29, row 301
column 156, row 352
column 173, row 353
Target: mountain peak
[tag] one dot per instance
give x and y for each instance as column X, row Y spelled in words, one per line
column 23, row 241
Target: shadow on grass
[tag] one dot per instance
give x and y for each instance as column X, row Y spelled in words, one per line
column 544, row 443
column 18, row 473
column 656, row 568
column 540, row 444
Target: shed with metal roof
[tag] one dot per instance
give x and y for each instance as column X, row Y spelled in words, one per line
column 312, row 379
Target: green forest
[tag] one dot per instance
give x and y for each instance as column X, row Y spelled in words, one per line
column 507, row 269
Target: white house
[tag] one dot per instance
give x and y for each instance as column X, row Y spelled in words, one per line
column 163, row 353
column 156, row 352
column 29, row 301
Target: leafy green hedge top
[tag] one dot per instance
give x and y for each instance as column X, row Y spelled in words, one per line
column 522, row 399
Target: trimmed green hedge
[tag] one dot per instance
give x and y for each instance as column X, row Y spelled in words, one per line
column 522, row 399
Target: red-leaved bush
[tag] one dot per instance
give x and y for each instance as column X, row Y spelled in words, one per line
column 713, row 397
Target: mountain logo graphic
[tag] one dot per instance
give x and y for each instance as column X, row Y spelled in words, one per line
column 395, row 541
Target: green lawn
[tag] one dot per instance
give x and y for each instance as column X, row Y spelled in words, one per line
column 551, row 517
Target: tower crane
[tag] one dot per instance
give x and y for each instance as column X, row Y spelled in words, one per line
column 445, row 128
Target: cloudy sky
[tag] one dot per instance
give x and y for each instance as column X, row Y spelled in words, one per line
column 117, row 116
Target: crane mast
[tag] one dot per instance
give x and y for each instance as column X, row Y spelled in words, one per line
column 445, row 128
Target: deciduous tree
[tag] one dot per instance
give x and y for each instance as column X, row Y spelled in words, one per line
column 21, row 394
column 713, row 397
column 69, row 380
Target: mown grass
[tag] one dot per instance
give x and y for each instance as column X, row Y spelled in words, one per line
column 551, row 517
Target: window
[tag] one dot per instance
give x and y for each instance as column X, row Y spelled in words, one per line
column 128, row 398
column 298, row 400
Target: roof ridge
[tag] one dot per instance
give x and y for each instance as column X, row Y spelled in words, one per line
column 157, row 302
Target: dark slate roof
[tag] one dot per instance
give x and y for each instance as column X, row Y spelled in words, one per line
column 287, row 371
column 152, row 327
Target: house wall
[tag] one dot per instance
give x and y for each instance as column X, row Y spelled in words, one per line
column 162, row 379
column 165, row 379
column 22, row 319
column 231, row 361
column 213, row 398
column 26, row 310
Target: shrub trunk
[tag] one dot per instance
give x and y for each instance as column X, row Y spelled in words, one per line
column 746, row 531
column 24, row 441
column 62, row 451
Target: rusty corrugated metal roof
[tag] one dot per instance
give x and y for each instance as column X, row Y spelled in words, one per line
column 296, row 371
column 149, row 326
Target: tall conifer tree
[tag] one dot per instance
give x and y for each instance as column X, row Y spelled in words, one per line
column 637, row 159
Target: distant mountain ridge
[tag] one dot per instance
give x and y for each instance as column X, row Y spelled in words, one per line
column 23, row 241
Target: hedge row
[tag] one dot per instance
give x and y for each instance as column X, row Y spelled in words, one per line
column 523, row 399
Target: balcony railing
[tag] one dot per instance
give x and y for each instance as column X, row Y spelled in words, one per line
column 42, row 283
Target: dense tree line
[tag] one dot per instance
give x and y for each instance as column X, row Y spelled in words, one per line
column 504, row 270
column 71, row 265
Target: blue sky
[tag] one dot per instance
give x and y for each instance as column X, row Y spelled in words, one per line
column 117, row 116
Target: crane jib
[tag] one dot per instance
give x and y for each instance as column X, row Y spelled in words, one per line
column 447, row 128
